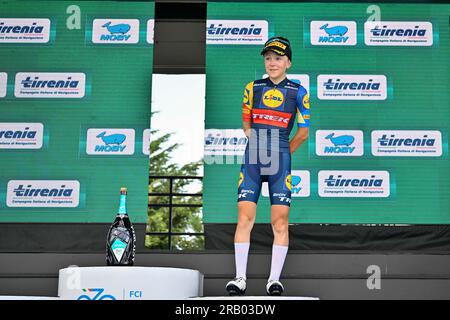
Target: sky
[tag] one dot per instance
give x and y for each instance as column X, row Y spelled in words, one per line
column 180, row 100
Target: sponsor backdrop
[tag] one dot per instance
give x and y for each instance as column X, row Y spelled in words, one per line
column 75, row 85
column 378, row 79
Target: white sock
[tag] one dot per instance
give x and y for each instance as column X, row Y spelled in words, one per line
column 278, row 257
column 241, row 256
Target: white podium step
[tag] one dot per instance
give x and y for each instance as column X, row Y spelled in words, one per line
column 27, row 298
column 253, row 298
column 129, row 283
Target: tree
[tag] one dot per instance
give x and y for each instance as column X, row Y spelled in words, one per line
column 184, row 219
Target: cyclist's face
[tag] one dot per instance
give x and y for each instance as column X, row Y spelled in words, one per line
column 276, row 65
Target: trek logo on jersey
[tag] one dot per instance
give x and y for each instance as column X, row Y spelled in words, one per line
column 249, row 32
column 24, row 30
column 271, row 117
column 299, row 181
column 351, row 87
column 407, row 143
column 244, row 193
column 340, row 143
column 50, row 85
column 110, row 141
column 16, row 135
column 3, row 84
column 398, row 33
column 146, row 142
column 43, row 193
column 120, row 31
column 225, row 142
column 272, row 98
column 333, row 33
column 150, row 31
column 354, row 184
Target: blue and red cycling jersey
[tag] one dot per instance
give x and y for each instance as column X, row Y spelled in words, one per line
column 271, row 109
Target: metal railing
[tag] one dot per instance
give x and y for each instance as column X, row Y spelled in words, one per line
column 172, row 205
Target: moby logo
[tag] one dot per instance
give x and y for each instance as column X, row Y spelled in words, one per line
column 125, row 31
column 333, row 33
column 110, row 142
column 339, row 143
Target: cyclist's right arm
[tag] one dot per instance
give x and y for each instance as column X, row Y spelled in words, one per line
column 247, row 105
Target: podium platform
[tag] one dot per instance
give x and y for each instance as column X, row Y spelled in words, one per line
column 129, row 283
column 253, row 298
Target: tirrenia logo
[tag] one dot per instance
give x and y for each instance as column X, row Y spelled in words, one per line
column 95, row 294
column 3, row 84
column 50, row 85
column 333, row 33
column 398, row 33
column 121, row 31
column 407, row 143
column 252, row 32
column 358, row 184
column 339, row 143
column 15, row 135
column 24, row 30
column 43, row 193
column 225, row 142
column 351, row 87
column 300, row 184
column 110, row 141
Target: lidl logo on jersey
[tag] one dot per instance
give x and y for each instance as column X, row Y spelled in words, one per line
column 225, row 142
column 120, row 31
column 273, row 98
column 146, row 142
column 354, row 184
column 43, row 193
column 398, row 33
column 30, row 30
column 3, row 84
column 351, row 87
column 50, row 85
column 102, row 141
column 15, row 135
column 333, row 33
column 249, row 32
column 407, row 143
column 150, row 31
column 299, row 182
column 342, row 143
